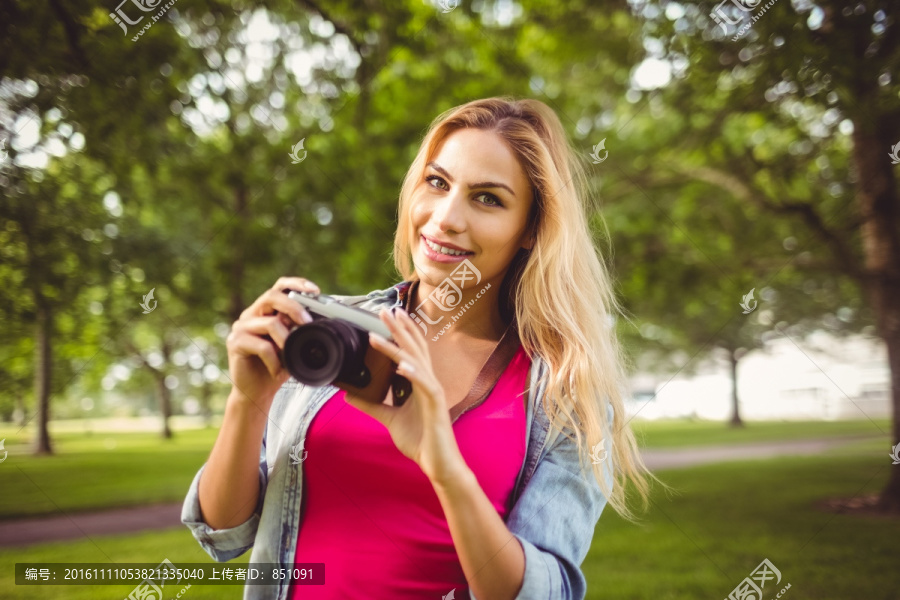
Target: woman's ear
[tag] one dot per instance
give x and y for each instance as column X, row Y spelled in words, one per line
column 529, row 241
column 531, row 228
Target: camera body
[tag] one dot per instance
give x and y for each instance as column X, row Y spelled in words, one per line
column 334, row 350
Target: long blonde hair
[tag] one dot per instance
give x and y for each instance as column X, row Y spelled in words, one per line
column 572, row 332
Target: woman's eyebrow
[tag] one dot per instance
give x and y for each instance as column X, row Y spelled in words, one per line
column 472, row 186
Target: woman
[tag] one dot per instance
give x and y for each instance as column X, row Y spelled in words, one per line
column 503, row 326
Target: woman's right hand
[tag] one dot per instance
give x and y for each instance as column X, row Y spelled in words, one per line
column 253, row 360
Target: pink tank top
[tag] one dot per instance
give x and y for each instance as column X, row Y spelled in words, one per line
column 372, row 517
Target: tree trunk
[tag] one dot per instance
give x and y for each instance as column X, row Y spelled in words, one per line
column 165, row 404
column 736, row 420
column 238, row 261
column 205, row 408
column 890, row 495
column 19, row 413
column 877, row 199
column 42, row 377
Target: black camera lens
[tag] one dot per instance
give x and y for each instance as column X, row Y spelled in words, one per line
column 316, row 353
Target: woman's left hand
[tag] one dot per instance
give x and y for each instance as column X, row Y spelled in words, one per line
column 421, row 428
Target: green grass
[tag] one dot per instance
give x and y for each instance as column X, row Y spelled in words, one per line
column 175, row 544
column 668, row 434
column 699, row 543
column 101, row 471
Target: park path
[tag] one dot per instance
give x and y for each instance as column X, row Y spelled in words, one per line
column 36, row 530
column 693, row 456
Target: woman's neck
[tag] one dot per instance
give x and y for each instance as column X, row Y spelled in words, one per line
column 475, row 315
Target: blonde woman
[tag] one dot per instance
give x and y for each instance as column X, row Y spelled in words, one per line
column 489, row 480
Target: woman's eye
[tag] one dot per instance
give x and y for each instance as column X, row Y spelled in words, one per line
column 436, row 181
column 488, row 200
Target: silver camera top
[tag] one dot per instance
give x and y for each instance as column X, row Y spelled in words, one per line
column 326, row 306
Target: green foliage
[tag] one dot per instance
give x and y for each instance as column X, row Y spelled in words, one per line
column 186, row 134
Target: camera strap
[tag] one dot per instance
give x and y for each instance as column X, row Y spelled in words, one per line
column 490, row 373
column 491, row 370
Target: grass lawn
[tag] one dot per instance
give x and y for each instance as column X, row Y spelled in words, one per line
column 175, row 544
column 699, row 543
column 102, row 470
column 667, row 434
column 725, row 519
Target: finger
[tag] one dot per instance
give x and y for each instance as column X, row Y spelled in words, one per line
column 405, row 322
column 387, row 317
column 256, row 346
column 421, row 381
column 273, row 301
column 286, row 320
column 389, row 349
column 299, row 284
column 271, row 326
column 402, row 331
column 268, row 301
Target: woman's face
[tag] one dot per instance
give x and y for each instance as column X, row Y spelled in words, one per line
column 473, row 197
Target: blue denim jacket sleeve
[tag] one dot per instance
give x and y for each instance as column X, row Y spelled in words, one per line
column 554, row 520
column 225, row 544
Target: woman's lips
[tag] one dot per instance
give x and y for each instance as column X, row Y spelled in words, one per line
column 439, row 256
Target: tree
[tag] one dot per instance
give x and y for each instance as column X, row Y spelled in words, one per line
column 48, row 227
column 821, row 72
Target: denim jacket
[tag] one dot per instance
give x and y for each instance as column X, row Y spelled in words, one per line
column 556, row 505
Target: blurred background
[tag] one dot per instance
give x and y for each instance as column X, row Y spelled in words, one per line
column 163, row 163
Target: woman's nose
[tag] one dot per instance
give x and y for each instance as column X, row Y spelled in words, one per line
column 449, row 214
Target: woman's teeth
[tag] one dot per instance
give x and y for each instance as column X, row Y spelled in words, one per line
column 443, row 250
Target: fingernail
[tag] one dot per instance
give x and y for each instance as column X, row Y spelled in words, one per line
column 406, row 367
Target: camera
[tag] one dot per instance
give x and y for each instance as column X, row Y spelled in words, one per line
column 334, row 350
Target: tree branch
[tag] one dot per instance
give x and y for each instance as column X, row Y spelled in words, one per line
column 338, row 26
column 134, row 350
column 728, row 182
column 73, row 35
